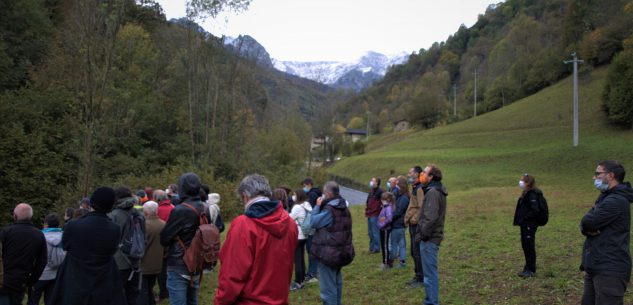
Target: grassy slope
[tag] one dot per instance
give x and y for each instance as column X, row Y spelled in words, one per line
column 482, row 160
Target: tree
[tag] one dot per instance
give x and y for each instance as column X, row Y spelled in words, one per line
column 617, row 95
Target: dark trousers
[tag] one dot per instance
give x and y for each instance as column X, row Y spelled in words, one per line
column 528, row 242
column 603, row 290
column 384, row 246
column 300, row 263
column 163, row 293
column 130, row 284
column 11, row 299
column 41, row 287
column 415, row 253
column 313, row 271
column 146, row 296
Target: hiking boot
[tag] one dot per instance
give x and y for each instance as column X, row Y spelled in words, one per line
column 526, row 274
column 295, row 286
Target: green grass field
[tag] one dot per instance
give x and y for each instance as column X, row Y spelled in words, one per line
column 482, row 160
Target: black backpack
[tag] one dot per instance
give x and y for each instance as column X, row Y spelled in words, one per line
column 543, row 215
column 133, row 241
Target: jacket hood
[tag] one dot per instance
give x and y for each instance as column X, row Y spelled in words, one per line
column 336, row 202
column 53, row 236
column 125, row 203
column 438, row 186
column 189, row 186
column 624, row 189
column 275, row 222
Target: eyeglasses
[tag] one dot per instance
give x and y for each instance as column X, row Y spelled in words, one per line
column 599, row 173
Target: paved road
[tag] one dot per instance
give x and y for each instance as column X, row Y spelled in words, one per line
column 354, row 197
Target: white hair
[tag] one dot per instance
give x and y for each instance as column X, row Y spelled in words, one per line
column 254, row 185
column 150, row 207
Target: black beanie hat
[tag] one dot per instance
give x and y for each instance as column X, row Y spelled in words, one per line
column 189, row 186
column 103, row 199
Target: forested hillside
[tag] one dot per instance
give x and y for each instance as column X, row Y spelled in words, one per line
column 514, row 50
column 109, row 93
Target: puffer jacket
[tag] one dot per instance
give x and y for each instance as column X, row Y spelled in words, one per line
column 607, row 227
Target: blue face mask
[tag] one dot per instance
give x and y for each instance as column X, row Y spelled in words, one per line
column 600, row 185
column 306, row 190
column 388, row 184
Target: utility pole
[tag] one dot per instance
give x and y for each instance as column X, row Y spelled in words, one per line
column 575, row 61
column 455, row 100
column 475, row 93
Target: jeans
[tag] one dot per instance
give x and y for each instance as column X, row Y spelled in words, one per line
column 384, row 246
column 180, row 290
column 300, row 263
column 146, row 297
column 415, row 254
column 528, row 243
column 41, row 288
column 130, row 284
column 374, row 234
column 428, row 251
column 398, row 244
column 312, row 262
column 330, row 285
column 603, row 290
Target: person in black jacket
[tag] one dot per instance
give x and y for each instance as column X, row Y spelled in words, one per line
column 89, row 274
column 398, row 240
column 181, row 227
column 606, row 257
column 525, row 216
column 24, row 255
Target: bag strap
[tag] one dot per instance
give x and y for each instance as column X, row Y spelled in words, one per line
column 201, row 219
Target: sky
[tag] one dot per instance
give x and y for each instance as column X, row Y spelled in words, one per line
column 341, row 30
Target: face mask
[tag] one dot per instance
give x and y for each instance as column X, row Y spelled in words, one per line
column 371, row 184
column 522, row 184
column 411, row 180
column 294, row 198
column 388, row 184
column 385, row 203
column 600, row 185
column 424, row 179
column 305, row 190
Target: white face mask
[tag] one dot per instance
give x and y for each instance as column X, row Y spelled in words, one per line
column 600, row 185
column 385, row 203
column 522, row 184
column 294, row 198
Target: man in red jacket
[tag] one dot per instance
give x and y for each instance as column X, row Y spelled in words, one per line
column 257, row 256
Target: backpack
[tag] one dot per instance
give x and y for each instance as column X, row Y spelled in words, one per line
column 385, row 217
column 543, row 215
column 55, row 256
column 306, row 225
column 204, row 249
column 133, row 242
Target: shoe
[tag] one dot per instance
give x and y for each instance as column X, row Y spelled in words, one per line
column 414, row 283
column 526, row 274
column 295, row 286
column 311, row 279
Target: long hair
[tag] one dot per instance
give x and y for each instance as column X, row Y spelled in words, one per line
column 530, row 183
column 281, row 195
column 403, row 187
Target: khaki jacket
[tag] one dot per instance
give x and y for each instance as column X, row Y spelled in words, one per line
column 415, row 204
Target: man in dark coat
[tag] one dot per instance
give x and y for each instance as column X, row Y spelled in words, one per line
column 89, row 275
column 606, row 256
column 24, row 256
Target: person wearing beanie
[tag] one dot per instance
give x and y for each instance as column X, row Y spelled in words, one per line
column 89, row 275
column 182, row 225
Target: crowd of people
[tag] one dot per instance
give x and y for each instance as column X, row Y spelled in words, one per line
column 117, row 245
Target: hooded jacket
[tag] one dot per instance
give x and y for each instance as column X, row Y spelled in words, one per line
column 608, row 229
column 121, row 215
column 53, row 238
column 164, row 209
column 432, row 214
column 257, row 256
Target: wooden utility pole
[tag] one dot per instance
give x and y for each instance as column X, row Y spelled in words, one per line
column 575, row 61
